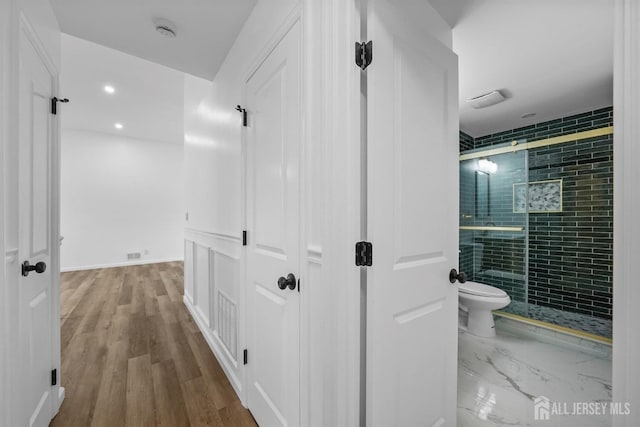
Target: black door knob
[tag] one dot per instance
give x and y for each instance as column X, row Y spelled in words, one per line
column 39, row 268
column 289, row 282
column 454, row 275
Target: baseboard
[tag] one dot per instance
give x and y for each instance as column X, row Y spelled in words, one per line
column 61, row 395
column 218, row 352
column 119, row 264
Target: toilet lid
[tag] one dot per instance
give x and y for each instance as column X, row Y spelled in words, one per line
column 480, row 289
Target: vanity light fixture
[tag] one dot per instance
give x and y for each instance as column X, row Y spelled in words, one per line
column 109, row 89
column 118, row 125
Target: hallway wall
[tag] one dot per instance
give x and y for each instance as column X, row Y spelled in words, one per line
column 120, row 195
column 214, row 191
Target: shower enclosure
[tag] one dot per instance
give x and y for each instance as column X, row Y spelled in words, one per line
column 493, row 231
column 547, row 248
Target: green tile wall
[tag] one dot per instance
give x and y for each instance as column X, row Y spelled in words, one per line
column 570, row 252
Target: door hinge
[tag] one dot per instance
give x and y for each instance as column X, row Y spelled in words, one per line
column 244, row 115
column 54, row 377
column 364, row 54
column 54, row 104
column 245, row 356
column 244, row 237
column 364, row 254
column 298, row 284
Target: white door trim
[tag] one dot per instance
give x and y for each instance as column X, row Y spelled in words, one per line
column 5, row 13
column 626, row 200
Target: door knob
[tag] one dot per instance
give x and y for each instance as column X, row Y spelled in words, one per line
column 289, row 282
column 454, row 275
column 39, row 268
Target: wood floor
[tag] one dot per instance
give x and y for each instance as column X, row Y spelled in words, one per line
column 133, row 356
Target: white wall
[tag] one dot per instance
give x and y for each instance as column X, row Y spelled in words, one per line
column 213, row 182
column 120, row 195
column 215, row 201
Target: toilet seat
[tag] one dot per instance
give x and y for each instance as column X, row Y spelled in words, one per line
column 480, row 289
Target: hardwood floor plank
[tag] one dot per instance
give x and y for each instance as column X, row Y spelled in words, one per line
column 111, row 401
column 125, row 294
column 138, row 335
column 140, row 405
column 132, row 354
column 197, row 400
column 170, row 408
column 158, row 345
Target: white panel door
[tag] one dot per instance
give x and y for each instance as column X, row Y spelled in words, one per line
column 412, row 210
column 36, row 127
column 273, row 210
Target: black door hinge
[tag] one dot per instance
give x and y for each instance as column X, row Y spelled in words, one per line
column 244, row 237
column 54, row 377
column 364, row 254
column 244, row 115
column 298, row 284
column 364, row 54
column 246, row 356
column 54, row 104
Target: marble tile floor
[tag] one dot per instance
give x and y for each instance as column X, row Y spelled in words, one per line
column 499, row 379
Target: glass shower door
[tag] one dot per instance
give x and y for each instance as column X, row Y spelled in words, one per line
column 493, row 222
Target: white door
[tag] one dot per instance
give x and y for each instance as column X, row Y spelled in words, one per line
column 412, row 221
column 36, row 138
column 273, row 210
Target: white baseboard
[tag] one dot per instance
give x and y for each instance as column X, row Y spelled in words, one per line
column 61, row 395
column 217, row 350
column 119, row 264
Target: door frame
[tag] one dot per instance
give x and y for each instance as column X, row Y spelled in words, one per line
column 626, row 204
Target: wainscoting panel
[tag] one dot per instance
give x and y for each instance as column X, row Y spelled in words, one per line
column 202, row 284
column 212, row 269
column 188, row 271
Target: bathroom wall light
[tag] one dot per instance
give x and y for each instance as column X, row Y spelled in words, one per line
column 109, row 89
column 118, row 125
column 487, row 166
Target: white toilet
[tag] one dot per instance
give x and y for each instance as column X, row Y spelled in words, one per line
column 476, row 301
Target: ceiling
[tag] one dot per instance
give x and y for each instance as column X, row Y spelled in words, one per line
column 206, row 29
column 148, row 99
column 553, row 58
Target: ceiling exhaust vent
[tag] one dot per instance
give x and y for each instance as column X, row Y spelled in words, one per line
column 486, row 100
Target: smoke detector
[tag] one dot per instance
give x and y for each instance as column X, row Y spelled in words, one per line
column 165, row 27
column 486, row 100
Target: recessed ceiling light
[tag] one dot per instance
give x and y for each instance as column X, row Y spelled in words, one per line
column 118, row 125
column 109, row 89
column 527, row 115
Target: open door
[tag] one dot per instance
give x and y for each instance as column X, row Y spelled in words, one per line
column 412, row 104
column 36, row 327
